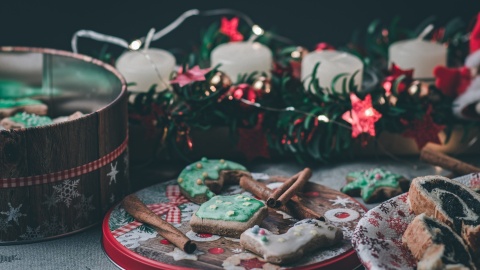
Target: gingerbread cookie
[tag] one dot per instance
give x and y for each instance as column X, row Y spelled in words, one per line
column 228, row 215
column 304, row 237
column 9, row 107
column 25, row 120
column 375, row 185
column 200, row 181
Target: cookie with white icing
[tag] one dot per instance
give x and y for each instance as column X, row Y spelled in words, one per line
column 200, row 181
column 304, row 237
column 228, row 215
column 25, row 120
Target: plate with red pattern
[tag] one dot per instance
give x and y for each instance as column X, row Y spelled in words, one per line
column 133, row 245
column 378, row 235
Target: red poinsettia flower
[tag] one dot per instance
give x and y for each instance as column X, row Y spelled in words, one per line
column 396, row 72
column 323, row 46
column 452, row 81
column 194, row 74
column 230, row 29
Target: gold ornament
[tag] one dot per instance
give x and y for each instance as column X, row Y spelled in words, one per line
column 381, row 100
column 262, row 84
column 219, row 81
column 392, row 100
column 418, row 88
column 299, row 53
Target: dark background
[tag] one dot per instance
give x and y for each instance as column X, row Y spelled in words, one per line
column 51, row 24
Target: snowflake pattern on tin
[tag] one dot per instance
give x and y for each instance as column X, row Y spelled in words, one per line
column 53, row 226
column 13, row 213
column 4, row 225
column 32, row 233
column 66, row 191
column 84, row 207
column 50, row 201
column 113, row 173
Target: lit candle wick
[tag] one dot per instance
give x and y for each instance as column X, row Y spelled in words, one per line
column 425, row 31
column 148, row 39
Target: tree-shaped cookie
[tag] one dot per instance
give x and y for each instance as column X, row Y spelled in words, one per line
column 375, row 185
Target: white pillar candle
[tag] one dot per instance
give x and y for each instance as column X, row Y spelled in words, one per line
column 332, row 63
column 417, row 54
column 240, row 58
column 146, row 67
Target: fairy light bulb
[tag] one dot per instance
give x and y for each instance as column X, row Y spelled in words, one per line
column 135, row 45
column 257, row 30
column 323, row 118
column 369, row 112
column 295, row 54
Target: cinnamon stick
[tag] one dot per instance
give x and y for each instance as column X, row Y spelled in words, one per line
column 272, row 200
column 141, row 213
column 439, row 159
column 278, row 178
column 296, row 186
column 294, row 207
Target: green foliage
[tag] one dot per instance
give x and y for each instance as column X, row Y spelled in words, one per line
column 299, row 131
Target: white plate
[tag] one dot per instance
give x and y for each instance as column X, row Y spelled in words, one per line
column 378, row 235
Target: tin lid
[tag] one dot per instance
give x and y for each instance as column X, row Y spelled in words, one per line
column 132, row 245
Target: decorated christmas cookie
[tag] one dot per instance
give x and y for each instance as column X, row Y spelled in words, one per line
column 200, row 181
column 304, row 237
column 375, row 185
column 25, row 120
column 10, row 106
column 228, row 215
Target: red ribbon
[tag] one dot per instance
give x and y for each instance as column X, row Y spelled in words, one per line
column 174, row 214
column 65, row 174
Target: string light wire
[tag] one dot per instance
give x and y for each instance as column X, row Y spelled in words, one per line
column 256, row 31
column 136, row 44
column 321, row 117
column 324, row 118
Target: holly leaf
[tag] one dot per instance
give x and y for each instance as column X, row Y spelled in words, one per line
column 334, row 82
column 453, row 26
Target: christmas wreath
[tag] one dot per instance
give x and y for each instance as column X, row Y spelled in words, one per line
column 281, row 113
